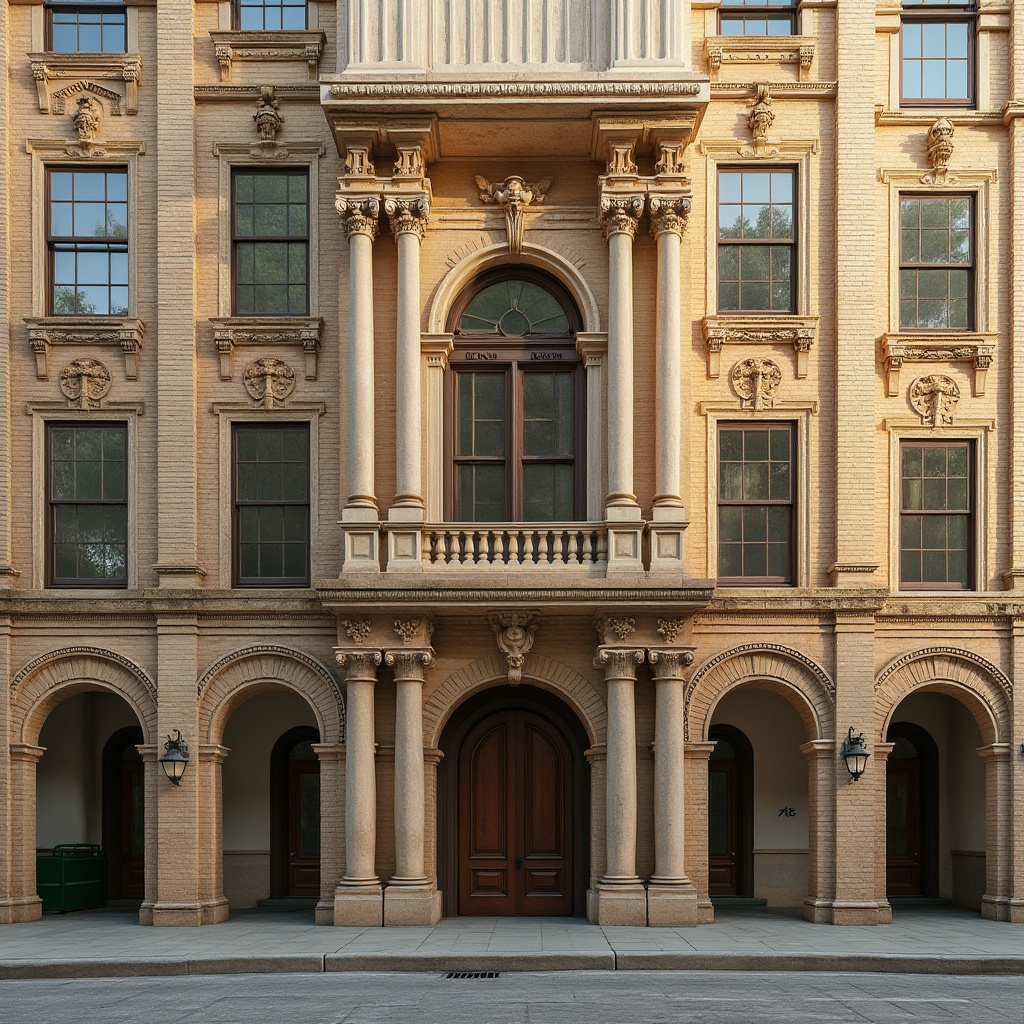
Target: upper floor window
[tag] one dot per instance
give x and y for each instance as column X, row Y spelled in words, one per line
column 756, row 507
column 271, row 505
column 936, row 262
column 937, row 53
column 86, row 26
column 87, row 241
column 757, row 17
column 936, row 513
column 270, row 242
column 756, row 241
column 516, row 404
column 273, row 15
column 87, row 499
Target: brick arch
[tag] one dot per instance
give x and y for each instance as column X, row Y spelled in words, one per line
column 782, row 670
column 38, row 687
column 554, row 676
column 974, row 681
column 242, row 674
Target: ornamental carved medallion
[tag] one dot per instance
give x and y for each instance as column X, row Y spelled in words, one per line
column 269, row 381
column 935, row 399
column 756, row 381
column 85, row 382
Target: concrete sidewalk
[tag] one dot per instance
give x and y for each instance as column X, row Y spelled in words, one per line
column 108, row 944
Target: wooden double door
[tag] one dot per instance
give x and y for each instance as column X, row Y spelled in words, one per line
column 515, row 817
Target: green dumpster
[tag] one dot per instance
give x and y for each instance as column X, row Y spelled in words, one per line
column 72, row 876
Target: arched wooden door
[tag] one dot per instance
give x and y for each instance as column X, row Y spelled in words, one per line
column 515, row 817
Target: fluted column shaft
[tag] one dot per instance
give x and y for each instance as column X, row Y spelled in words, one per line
column 410, row 820
column 360, row 770
column 620, row 802
column 669, row 765
column 408, row 219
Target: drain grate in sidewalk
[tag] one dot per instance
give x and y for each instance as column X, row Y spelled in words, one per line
column 470, row 975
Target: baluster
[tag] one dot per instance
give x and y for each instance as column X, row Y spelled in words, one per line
column 588, row 547
column 531, row 547
column 506, row 546
column 572, row 547
column 602, row 546
column 557, row 554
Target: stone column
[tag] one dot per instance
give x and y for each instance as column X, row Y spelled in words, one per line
column 360, row 220
column 22, row 902
column 995, row 903
column 619, row 897
column 821, row 815
column 332, row 825
column 697, row 756
column 671, row 896
column 410, row 898
column 359, row 898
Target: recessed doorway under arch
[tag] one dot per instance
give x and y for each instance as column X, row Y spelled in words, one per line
column 513, row 806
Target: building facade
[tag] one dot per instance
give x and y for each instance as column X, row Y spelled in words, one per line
column 515, row 443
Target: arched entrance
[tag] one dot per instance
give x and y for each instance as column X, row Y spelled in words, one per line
column 911, row 812
column 295, row 816
column 730, row 813
column 513, row 796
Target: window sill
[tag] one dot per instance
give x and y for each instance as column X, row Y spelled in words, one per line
column 60, row 75
column 293, row 46
column 118, row 332
column 719, row 50
column 938, row 347
column 770, row 329
column 265, row 331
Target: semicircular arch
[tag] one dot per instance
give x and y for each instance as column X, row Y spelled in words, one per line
column 554, row 676
column 774, row 667
column 971, row 679
column 538, row 256
column 261, row 667
column 38, row 687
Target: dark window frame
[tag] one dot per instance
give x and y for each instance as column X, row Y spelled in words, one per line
column 789, row 580
column 247, row 169
column 270, row 582
column 107, row 244
column 970, row 267
column 947, row 14
column 793, row 245
column 79, row 7
column 54, row 581
column 970, row 512
column 237, row 9
column 757, row 10
column 513, row 358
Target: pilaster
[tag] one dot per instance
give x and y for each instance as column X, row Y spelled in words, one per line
column 1016, row 773
column 209, row 761
column 21, row 902
column 821, row 817
column 7, row 570
column 332, row 825
column 995, row 903
column 697, row 756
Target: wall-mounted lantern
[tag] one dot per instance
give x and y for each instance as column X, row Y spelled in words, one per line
column 175, row 758
column 855, row 754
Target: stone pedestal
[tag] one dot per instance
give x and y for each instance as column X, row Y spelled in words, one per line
column 359, row 906
column 609, row 904
column 411, row 905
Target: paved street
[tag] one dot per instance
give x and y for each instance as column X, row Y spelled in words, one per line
column 548, row 998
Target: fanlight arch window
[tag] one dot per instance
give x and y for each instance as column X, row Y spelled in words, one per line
column 515, row 403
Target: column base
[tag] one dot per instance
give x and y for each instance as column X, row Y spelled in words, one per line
column 1015, row 911
column 360, row 532
column 324, row 913
column 671, row 906
column 995, row 908
column 359, row 906
column 188, row 915
column 705, row 910
column 848, row 912
column 617, row 905
column 411, row 905
column 19, row 909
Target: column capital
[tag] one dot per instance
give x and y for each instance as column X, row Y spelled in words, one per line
column 360, row 215
column 360, row 664
column 410, row 663
column 408, row 215
column 619, row 662
column 620, row 214
column 669, row 213
column 668, row 663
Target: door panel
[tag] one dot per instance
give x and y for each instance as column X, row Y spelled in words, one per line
column 723, row 830
column 515, row 817
column 903, row 827
column 304, row 829
column 132, row 851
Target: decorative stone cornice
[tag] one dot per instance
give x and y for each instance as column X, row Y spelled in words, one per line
column 124, row 333
column 231, row 332
column 668, row 214
column 360, row 215
column 58, row 76
column 408, row 216
column 797, row 331
column 410, row 663
column 620, row 214
column 290, row 45
column 938, row 347
column 619, row 662
column 498, row 90
column 760, row 50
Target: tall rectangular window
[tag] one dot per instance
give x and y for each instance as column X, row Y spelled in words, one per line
column 756, row 241
column 756, row 507
column 936, row 262
column 270, row 242
column 937, row 53
column 757, row 17
column 87, row 241
column 936, row 512
column 86, row 26
column 270, row 15
column 271, row 505
column 87, row 500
